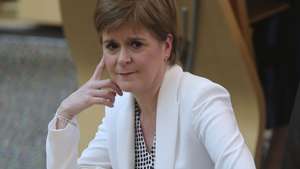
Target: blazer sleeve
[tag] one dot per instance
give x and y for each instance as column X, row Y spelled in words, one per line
column 62, row 148
column 215, row 125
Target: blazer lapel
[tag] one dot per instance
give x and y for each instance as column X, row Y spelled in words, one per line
column 166, row 124
column 167, row 119
column 125, row 135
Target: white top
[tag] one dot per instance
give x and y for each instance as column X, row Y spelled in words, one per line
column 195, row 129
column 144, row 158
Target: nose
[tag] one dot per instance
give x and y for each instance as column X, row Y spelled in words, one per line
column 124, row 57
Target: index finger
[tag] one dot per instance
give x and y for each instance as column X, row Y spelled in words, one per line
column 98, row 71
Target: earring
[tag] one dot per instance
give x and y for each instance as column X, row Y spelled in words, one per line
column 165, row 59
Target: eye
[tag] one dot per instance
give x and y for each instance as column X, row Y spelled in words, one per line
column 111, row 46
column 136, row 44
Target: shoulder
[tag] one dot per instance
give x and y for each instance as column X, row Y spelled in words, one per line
column 198, row 87
column 203, row 100
column 198, row 94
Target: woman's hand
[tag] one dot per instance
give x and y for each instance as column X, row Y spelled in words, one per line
column 94, row 91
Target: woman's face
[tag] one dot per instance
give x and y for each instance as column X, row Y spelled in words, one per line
column 135, row 59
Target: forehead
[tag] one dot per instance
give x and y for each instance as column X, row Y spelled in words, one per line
column 127, row 31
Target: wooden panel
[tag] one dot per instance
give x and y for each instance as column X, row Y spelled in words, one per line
column 239, row 8
column 40, row 11
column 262, row 9
column 77, row 16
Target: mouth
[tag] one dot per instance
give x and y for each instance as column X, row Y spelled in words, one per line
column 125, row 73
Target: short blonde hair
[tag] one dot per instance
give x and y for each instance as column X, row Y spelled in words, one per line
column 157, row 16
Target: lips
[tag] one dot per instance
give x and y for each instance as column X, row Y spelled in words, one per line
column 125, row 73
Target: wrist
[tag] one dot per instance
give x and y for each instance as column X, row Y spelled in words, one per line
column 65, row 113
column 60, row 123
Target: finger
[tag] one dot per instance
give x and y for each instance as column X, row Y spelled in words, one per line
column 98, row 71
column 103, row 94
column 102, row 101
column 100, row 84
column 119, row 90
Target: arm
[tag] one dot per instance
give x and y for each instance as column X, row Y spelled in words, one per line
column 62, row 148
column 63, row 135
column 215, row 125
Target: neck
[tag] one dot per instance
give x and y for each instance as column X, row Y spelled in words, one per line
column 147, row 100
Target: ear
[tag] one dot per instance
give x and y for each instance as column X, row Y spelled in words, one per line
column 168, row 46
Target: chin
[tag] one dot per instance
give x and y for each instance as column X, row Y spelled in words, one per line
column 126, row 86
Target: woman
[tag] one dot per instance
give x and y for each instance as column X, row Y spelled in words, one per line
column 164, row 119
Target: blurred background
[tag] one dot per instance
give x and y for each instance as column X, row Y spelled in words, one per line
column 49, row 47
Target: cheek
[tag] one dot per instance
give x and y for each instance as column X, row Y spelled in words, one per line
column 109, row 63
column 156, row 61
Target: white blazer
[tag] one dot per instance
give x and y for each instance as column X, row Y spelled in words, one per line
column 195, row 129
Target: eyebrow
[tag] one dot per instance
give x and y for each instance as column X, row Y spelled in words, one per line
column 137, row 38
column 108, row 41
column 129, row 39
